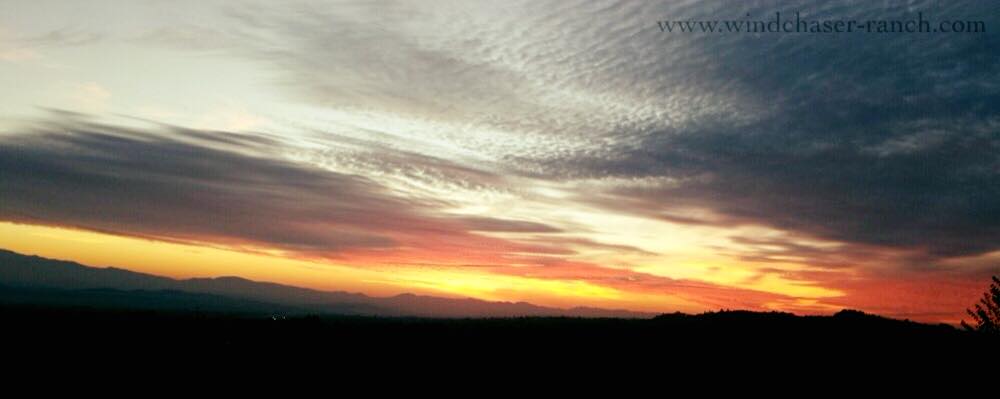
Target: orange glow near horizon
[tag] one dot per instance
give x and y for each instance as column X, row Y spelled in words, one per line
column 182, row 261
column 564, row 155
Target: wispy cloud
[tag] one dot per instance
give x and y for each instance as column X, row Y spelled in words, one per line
column 184, row 184
column 541, row 138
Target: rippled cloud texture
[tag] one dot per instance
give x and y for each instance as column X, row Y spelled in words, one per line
column 548, row 141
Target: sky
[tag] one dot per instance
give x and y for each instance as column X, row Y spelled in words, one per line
column 564, row 153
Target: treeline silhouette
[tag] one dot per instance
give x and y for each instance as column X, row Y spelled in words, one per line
column 57, row 307
column 986, row 314
column 104, row 329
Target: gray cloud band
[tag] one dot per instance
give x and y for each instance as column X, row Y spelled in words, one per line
column 185, row 184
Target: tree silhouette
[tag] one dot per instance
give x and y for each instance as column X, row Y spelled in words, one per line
column 986, row 314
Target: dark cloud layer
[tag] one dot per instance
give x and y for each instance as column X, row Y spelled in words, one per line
column 875, row 139
column 126, row 182
column 883, row 139
column 187, row 184
column 416, row 114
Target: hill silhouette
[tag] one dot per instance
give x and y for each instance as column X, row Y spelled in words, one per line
column 60, row 305
column 32, row 279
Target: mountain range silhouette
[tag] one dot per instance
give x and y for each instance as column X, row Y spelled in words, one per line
column 32, row 279
column 59, row 307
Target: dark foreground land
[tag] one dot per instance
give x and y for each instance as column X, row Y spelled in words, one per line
column 116, row 330
column 51, row 308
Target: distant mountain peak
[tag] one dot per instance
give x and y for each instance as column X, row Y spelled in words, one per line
column 33, row 272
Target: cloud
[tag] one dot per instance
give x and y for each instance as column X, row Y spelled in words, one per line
column 519, row 80
column 882, row 140
column 174, row 183
column 704, row 294
column 14, row 48
column 939, row 296
column 875, row 139
column 185, row 184
column 874, row 149
column 64, row 37
column 90, row 96
column 182, row 187
column 507, row 226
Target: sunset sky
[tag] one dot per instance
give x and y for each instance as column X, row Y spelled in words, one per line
column 564, row 153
